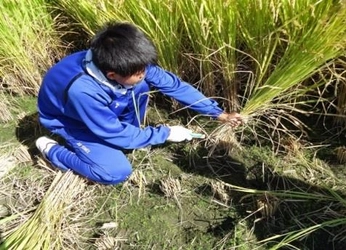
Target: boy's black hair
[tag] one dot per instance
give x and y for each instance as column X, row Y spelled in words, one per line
column 122, row 48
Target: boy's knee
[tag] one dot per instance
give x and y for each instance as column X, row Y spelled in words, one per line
column 113, row 180
column 113, row 177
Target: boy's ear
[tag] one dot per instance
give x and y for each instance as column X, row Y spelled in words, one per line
column 111, row 75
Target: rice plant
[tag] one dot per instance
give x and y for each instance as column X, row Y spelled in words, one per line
column 328, row 217
column 258, row 23
column 29, row 44
column 154, row 17
column 335, row 220
column 303, row 54
column 210, row 29
column 88, row 16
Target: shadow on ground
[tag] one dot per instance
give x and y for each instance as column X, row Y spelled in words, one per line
column 265, row 214
column 28, row 129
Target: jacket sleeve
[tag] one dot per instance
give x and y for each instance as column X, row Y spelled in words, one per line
column 170, row 85
column 90, row 106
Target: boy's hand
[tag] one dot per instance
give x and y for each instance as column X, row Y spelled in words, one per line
column 179, row 133
column 233, row 118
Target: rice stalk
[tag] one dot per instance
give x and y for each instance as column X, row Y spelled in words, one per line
column 21, row 154
column 220, row 191
column 197, row 30
column 21, row 195
column 258, row 23
column 29, row 44
column 329, row 195
column 273, row 126
column 288, row 238
column 4, row 211
column 267, row 207
column 106, row 242
column 89, row 16
column 210, row 40
column 304, row 54
column 43, row 229
column 138, row 180
column 341, row 154
column 170, row 187
column 223, row 137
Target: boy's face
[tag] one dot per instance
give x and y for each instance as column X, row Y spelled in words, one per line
column 127, row 80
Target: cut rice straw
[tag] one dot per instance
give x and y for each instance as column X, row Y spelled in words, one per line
column 223, row 137
column 43, row 229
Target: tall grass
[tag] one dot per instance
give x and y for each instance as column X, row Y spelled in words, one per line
column 29, row 45
column 210, row 29
column 274, row 39
column 314, row 34
column 160, row 20
column 259, row 36
column 157, row 18
column 88, row 16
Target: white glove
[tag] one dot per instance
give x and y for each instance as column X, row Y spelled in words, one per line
column 179, row 133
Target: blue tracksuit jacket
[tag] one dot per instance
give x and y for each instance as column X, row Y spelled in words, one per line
column 78, row 103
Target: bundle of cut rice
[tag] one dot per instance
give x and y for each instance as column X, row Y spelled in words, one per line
column 43, row 230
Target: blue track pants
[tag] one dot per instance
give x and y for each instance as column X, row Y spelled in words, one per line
column 89, row 157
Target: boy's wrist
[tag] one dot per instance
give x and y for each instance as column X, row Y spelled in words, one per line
column 234, row 118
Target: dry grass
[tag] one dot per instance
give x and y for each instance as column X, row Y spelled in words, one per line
column 267, row 205
column 7, row 162
column 107, row 242
column 341, row 154
column 139, row 181
column 21, row 195
column 7, row 158
column 5, row 109
column 222, row 138
column 171, row 187
column 46, row 219
column 22, row 155
column 220, row 192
